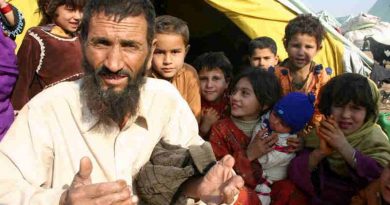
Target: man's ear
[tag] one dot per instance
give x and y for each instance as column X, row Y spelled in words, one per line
column 187, row 48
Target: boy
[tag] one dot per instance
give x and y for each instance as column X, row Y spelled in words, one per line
column 299, row 73
column 172, row 36
column 262, row 52
column 215, row 72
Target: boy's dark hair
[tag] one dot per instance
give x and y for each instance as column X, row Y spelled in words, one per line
column 265, row 85
column 304, row 24
column 119, row 9
column 345, row 88
column 47, row 8
column 213, row 60
column 262, row 43
column 167, row 24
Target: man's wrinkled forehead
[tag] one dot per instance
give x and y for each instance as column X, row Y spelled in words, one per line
column 115, row 21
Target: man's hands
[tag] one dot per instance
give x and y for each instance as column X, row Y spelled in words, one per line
column 83, row 192
column 260, row 145
column 220, row 184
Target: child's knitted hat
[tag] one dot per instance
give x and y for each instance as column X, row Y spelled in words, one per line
column 296, row 110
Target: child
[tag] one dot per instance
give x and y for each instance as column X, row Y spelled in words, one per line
column 253, row 93
column 350, row 150
column 289, row 116
column 215, row 71
column 263, row 53
column 172, row 36
column 51, row 52
column 8, row 75
column 11, row 20
column 302, row 41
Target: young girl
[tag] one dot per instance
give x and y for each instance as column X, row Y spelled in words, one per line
column 351, row 149
column 51, row 52
column 299, row 73
column 215, row 72
column 253, row 93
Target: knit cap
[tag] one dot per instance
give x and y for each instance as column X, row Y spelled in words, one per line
column 296, row 110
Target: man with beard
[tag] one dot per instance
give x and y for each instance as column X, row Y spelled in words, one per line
column 84, row 142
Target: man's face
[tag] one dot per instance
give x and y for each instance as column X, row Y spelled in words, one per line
column 168, row 58
column 263, row 58
column 117, row 51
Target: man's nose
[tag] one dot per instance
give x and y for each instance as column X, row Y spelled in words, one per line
column 114, row 61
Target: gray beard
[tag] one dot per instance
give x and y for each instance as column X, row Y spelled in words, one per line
column 109, row 105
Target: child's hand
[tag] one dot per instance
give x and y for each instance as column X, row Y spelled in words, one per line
column 331, row 135
column 261, row 145
column 325, row 148
column 294, row 144
column 209, row 117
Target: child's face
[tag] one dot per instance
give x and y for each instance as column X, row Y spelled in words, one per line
column 385, row 184
column 276, row 124
column 301, row 50
column 243, row 101
column 68, row 18
column 263, row 58
column 168, row 57
column 212, row 84
column 349, row 117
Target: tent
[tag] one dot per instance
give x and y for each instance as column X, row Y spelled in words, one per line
column 228, row 25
